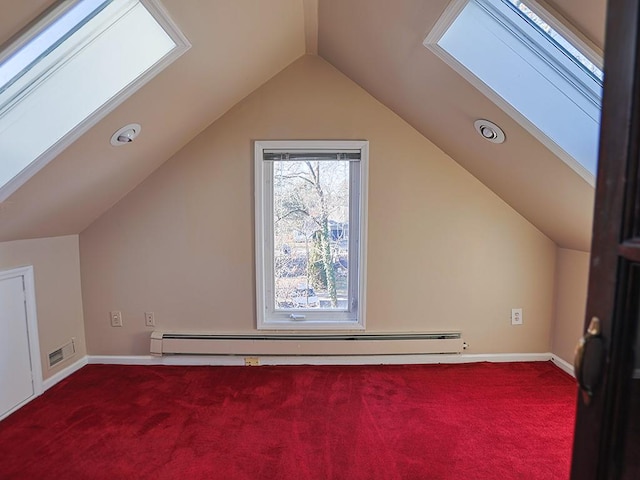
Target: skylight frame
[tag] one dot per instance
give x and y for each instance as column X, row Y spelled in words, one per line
column 163, row 19
column 60, row 39
column 557, row 23
column 596, row 63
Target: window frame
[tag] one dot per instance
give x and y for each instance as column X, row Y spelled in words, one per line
column 267, row 316
column 556, row 22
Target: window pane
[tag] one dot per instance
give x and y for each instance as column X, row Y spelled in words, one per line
column 311, row 234
column 47, row 40
column 551, row 93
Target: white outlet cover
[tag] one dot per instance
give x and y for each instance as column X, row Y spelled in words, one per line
column 516, row 316
column 116, row 318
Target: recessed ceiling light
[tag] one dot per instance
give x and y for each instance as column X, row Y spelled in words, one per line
column 126, row 134
column 489, row 131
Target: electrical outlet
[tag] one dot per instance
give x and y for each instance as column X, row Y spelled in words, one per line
column 251, row 361
column 516, row 316
column 149, row 319
column 116, row 319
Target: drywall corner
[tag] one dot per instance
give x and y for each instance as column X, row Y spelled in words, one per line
column 571, row 281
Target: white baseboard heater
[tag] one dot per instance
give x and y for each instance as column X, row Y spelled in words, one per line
column 163, row 343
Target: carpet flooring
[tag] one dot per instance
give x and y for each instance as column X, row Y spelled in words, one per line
column 472, row 421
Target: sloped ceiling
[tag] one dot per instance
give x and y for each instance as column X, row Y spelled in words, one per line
column 378, row 44
column 239, row 44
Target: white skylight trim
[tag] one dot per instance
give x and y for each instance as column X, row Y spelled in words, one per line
column 531, row 66
column 559, row 39
column 46, row 40
column 75, row 66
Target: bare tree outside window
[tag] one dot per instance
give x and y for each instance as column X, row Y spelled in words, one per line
column 311, row 233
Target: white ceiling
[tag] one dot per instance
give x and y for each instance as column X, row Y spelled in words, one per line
column 240, row 44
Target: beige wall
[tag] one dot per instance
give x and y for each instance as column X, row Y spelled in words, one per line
column 444, row 251
column 56, row 266
column 572, row 277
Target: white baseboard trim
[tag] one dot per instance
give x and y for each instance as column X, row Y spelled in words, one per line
column 563, row 364
column 64, row 373
column 503, row 357
column 124, row 360
column 221, row 360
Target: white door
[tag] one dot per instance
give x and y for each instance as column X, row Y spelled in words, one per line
column 16, row 382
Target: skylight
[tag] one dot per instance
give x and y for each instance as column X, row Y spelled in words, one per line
column 46, row 40
column 533, row 67
column 77, row 64
column 561, row 43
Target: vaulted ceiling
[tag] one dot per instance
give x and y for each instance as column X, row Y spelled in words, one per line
column 237, row 45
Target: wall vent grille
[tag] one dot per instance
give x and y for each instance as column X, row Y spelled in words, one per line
column 61, row 354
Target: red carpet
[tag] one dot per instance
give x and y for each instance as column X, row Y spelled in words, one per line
column 473, row 421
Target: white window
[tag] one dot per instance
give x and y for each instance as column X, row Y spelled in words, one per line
column 533, row 67
column 311, row 199
column 68, row 71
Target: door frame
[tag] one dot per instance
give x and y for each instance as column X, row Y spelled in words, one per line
column 26, row 272
column 613, row 300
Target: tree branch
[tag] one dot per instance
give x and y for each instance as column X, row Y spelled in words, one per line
column 291, row 212
column 313, row 172
column 297, row 176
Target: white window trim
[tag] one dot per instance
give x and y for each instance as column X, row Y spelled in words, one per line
column 558, row 23
column 161, row 15
column 262, row 242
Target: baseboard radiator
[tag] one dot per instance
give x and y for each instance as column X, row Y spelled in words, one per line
column 171, row 343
